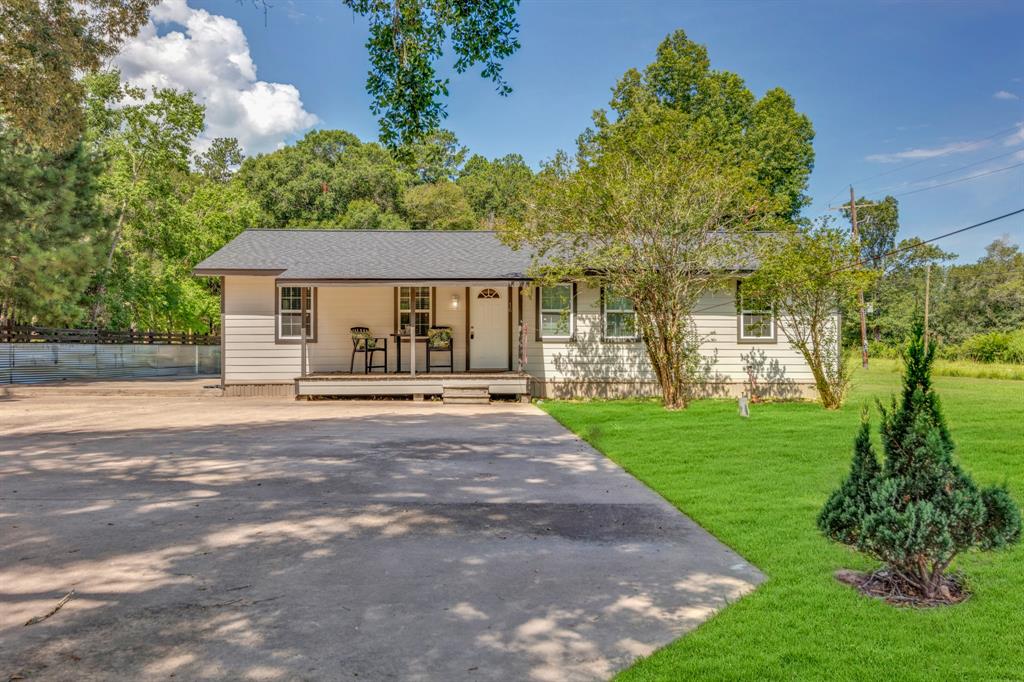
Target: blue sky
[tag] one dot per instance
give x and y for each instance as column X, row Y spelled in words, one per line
column 885, row 84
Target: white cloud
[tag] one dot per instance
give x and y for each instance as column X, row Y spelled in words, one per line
column 929, row 152
column 1005, row 94
column 211, row 58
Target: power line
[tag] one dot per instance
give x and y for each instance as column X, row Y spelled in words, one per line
column 953, row 182
column 918, row 162
column 929, row 241
column 946, row 172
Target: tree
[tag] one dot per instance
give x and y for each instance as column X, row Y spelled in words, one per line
column 408, row 36
column 897, row 295
column 363, row 214
column 44, row 47
column 204, row 216
column 809, row 276
column 654, row 214
column 496, row 189
column 436, row 157
column 878, row 222
column 920, row 510
column 53, row 232
column 220, row 161
column 441, row 206
column 768, row 134
column 312, row 182
column 146, row 144
column 987, row 296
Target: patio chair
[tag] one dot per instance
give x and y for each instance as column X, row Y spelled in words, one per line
column 364, row 342
column 440, row 340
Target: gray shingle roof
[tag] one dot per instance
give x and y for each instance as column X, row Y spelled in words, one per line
column 369, row 255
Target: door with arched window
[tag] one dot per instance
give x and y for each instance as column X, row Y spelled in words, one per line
column 488, row 325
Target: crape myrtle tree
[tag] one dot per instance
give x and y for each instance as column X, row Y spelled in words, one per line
column 809, row 276
column 918, row 510
column 654, row 216
column 665, row 194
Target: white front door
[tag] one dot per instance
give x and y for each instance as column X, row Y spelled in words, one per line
column 488, row 320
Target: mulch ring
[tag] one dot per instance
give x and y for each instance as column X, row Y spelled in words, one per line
column 893, row 589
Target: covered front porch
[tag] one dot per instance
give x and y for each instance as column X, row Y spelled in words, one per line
column 382, row 339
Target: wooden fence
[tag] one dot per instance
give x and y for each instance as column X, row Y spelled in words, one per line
column 30, row 334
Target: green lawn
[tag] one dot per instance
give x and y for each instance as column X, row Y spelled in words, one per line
column 758, row 484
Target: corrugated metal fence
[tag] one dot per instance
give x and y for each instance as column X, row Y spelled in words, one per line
column 29, row 363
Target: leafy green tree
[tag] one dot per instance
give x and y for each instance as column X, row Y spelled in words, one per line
column 205, row 215
column 987, row 296
column 436, row 157
column 920, row 510
column 496, row 189
column 363, row 214
column 809, row 276
column 44, row 47
column 146, row 143
column 407, row 37
column 896, row 298
column 220, row 161
column 53, row 231
column 767, row 134
column 652, row 212
column 312, row 182
column 441, row 206
column 878, row 222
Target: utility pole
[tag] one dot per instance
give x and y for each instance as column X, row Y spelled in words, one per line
column 860, row 292
column 927, row 296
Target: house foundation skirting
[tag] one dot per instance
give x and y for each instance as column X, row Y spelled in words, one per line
column 260, row 390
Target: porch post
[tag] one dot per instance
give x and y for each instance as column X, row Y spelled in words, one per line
column 303, row 331
column 412, row 346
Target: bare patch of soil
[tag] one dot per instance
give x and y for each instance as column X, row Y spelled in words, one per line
column 896, row 590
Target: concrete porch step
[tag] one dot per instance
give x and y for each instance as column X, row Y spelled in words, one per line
column 466, row 401
column 454, row 394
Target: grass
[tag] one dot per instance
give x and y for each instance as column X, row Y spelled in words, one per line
column 956, row 368
column 757, row 485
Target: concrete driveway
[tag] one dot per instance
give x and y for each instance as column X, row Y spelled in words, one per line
column 216, row 538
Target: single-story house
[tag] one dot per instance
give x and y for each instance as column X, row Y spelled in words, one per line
column 377, row 298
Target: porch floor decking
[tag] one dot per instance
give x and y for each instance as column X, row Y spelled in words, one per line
column 434, row 383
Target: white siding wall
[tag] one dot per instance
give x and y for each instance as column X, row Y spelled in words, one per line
column 589, row 358
column 250, row 354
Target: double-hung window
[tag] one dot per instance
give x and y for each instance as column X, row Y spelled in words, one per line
column 756, row 321
column 289, row 313
column 555, row 312
column 414, row 308
column 619, row 317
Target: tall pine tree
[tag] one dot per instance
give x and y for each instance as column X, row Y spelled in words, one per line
column 52, row 230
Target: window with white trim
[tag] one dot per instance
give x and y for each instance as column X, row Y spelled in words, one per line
column 414, row 308
column 556, row 313
column 289, row 317
column 757, row 320
column 619, row 317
